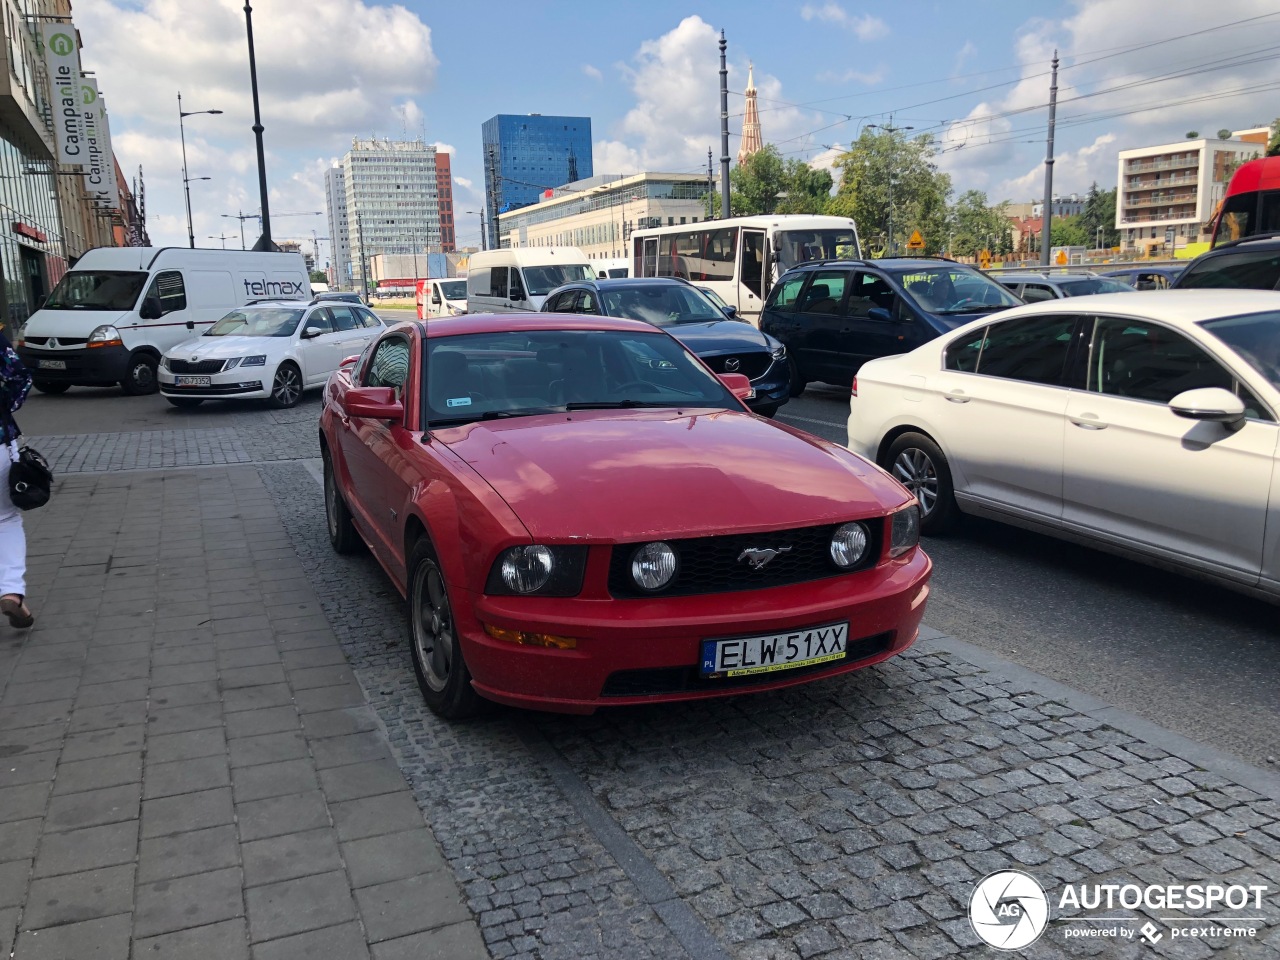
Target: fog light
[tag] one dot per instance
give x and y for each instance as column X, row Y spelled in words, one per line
column 848, row 545
column 526, row 639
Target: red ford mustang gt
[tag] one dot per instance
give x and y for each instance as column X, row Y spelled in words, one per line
column 581, row 514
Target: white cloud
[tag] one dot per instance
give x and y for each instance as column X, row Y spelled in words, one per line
column 964, row 55
column 864, row 27
column 592, row 72
column 463, row 182
column 442, row 147
column 1073, row 172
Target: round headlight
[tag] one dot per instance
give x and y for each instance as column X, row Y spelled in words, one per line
column 848, row 545
column 527, row 569
column 653, row 566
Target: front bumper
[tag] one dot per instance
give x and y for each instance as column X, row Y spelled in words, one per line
column 252, row 382
column 773, row 387
column 86, row 367
column 648, row 650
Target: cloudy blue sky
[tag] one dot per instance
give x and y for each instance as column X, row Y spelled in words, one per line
column 975, row 74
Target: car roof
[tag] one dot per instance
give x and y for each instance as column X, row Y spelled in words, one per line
column 1176, row 307
column 891, row 264
column 604, row 283
column 527, row 322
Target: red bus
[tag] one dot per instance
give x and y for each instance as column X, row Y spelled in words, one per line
column 1252, row 202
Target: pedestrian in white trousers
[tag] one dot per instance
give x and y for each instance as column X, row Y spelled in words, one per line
column 15, row 384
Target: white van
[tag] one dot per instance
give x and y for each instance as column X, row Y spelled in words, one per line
column 118, row 309
column 518, row 281
column 442, row 297
column 614, row 269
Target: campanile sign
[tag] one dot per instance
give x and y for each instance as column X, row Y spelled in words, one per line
column 62, row 60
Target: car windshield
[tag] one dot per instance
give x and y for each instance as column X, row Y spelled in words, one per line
column 97, row 290
column 454, row 290
column 1085, row 286
column 1244, row 270
column 800, row 246
column 1255, row 337
column 662, row 304
column 269, row 322
column 955, row 290
column 715, row 298
column 487, row 376
column 542, row 280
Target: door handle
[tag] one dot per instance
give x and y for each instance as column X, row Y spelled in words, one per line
column 1088, row 421
column 957, row 396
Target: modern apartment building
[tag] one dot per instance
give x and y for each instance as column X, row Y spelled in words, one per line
column 392, row 198
column 524, row 156
column 1176, row 187
column 444, row 196
column 598, row 215
column 335, row 206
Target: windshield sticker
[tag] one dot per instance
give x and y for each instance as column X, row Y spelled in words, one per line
column 458, row 402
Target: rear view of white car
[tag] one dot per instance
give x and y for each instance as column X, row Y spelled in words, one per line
column 271, row 350
column 1142, row 423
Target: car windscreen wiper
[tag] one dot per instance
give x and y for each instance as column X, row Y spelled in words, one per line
column 981, row 308
column 490, row 415
column 618, row 404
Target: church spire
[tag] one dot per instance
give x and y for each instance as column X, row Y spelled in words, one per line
column 751, row 142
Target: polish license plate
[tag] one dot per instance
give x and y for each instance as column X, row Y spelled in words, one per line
column 192, row 381
column 771, row 652
column 53, row 364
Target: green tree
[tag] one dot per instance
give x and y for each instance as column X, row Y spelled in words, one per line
column 1100, row 212
column 887, row 179
column 1069, row 232
column 806, row 190
column 766, row 184
column 973, row 225
column 319, row 276
column 1273, row 142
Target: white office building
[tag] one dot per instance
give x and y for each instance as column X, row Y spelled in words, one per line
column 1171, row 191
column 335, row 201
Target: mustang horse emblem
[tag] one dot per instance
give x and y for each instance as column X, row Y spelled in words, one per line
column 758, row 556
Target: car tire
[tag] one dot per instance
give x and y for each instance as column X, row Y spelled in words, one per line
column 438, row 662
column 50, row 386
column 185, row 403
column 286, row 386
column 342, row 531
column 798, row 383
column 920, row 465
column 140, row 378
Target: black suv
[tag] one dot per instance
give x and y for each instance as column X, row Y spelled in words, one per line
column 1252, row 263
column 834, row 315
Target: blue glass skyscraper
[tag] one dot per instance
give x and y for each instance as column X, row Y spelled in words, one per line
column 525, row 155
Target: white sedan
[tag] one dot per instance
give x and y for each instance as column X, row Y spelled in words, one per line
column 273, row 351
column 1141, row 423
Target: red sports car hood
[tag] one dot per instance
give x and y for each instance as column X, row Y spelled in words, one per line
column 633, row 475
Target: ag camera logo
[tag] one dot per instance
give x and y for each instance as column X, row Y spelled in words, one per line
column 1009, row 910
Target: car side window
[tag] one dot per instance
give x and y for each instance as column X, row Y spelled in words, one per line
column 787, row 292
column 867, row 291
column 824, row 293
column 321, row 319
column 389, row 365
column 344, row 318
column 1034, row 293
column 588, row 304
column 568, row 302
column 369, row 318
column 1145, row 361
column 169, row 289
column 963, row 352
column 498, row 282
column 1030, row 349
column 517, row 287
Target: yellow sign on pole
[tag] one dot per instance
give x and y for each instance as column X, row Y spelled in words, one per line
column 1061, row 259
column 984, row 259
column 916, row 242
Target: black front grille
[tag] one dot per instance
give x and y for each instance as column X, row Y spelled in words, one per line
column 716, row 564
column 751, row 365
column 62, row 341
column 652, row 683
column 199, row 366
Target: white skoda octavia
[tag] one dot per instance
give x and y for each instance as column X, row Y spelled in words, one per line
column 272, row 350
column 1142, row 423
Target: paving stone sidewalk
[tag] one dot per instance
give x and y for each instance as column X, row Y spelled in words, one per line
column 188, row 767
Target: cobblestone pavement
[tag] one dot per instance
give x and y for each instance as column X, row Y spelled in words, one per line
column 845, row 819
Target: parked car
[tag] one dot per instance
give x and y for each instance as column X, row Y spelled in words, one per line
column 1146, row 426
column 567, row 507
column 343, row 296
column 1249, row 264
column 273, row 350
column 727, row 309
column 835, row 315
column 1146, row 278
column 725, row 344
column 1034, row 287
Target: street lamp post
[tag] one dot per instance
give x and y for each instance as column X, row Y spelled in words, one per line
column 890, row 129
column 483, row 245
column 264, row 241
column 186, row 180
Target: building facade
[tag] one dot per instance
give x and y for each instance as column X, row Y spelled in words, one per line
column 1175, row 188
column 751, row 140
column 598, row 215
column 1070, row 206
column 444, row 198
column 524, row 156
column 335, row 205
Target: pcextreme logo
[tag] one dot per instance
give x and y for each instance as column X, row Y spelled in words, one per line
column 1009, row 910
column 62, row 45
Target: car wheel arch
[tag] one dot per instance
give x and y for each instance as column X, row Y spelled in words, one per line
column 887, row 441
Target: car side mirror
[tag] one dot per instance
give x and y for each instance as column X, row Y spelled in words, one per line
column 435, row 298
column 880, row 314
column 373, row 403
column 731, row 312
column 349, row 361
column 150, row 309
column 1212, row 404
column 738, row 385
column 311, row 333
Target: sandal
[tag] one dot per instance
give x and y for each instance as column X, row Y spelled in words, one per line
column 12, row 605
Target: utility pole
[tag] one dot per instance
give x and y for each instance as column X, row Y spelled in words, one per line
column 264, row 241
column 1047, row 220
column 711, row 186
column 495, row 199
column 364, row 263
column 724, row 130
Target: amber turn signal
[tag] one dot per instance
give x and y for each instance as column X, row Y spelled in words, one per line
column 531, row 639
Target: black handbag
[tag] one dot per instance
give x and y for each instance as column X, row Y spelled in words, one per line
column 30, row 479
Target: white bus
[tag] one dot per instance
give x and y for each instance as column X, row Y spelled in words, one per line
column 740, row 258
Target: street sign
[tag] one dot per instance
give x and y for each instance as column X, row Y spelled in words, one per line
column 1061, row 259
column 916, row 242
column 984, row 258
column 1168, row 236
